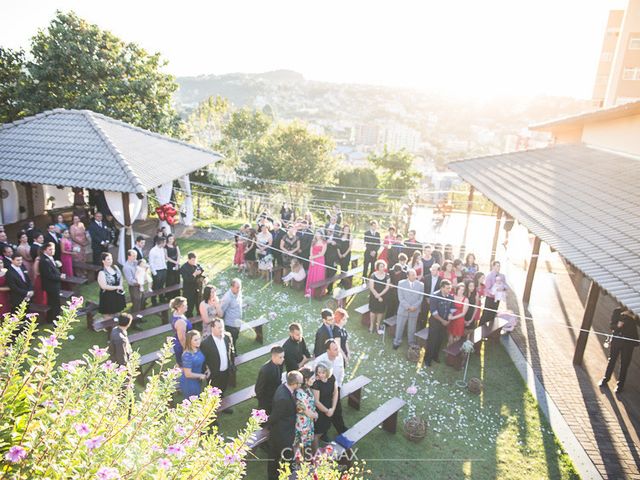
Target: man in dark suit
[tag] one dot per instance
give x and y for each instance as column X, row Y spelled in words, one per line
column 296, row 353
column 36, row 245
column 52, row 237
column 340, row 317
column 219, row 356
column 282, row 423
column 269, row 377
column 100, row 236
column 440, row 307
column 324, row 333
column 139, row 247
column 332, row 232
column 51, row 277
column 191, row 274
column 19, row 283
column 431, row 281
column 371, row 246
column 624, row 327
column 305, row 234
column 7, row 253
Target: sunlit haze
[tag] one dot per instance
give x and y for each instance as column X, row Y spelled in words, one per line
column 467, row 48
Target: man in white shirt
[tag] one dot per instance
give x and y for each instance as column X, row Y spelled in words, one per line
column 334, row 359
column 158, row 265
column 219, row 355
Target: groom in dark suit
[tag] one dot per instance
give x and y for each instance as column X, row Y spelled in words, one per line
column 282, row 423
column 51, row 278
column 219, row 356
column 18, row 281
column 100, row 236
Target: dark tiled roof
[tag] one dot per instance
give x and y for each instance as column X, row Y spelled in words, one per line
column 80, row 148
column 583, row 202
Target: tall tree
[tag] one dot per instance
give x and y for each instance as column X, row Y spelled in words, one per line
column 75, row 64
column 241, row 134
column 292, row 153
column 12, row 82
column 395, row 170
column 204, row 126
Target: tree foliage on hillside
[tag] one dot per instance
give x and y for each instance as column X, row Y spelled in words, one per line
column 75, row 64
column 292, row 153
column 241, row 134
column 204, row 125
column 395, row 170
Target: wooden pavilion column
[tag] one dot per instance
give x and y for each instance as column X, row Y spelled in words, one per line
column 29, row 193
column 469, row 209
column 496, row 234
column 526, row 296
column 587, row 321
column 127, row 223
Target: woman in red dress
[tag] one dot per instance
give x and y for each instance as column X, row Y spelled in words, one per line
column 456, row 324
column 238, row 258
column 39, row 295
column 448, row 273
column 389, row 240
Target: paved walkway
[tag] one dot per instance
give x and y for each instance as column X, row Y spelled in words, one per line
column 596, row 418
column 605, row 426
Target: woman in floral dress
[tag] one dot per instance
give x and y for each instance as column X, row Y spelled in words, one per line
column 306, row 413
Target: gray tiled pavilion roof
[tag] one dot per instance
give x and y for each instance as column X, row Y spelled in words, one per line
column 583, row 202
column 81, row 148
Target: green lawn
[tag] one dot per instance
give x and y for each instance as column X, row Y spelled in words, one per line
column 499, row 434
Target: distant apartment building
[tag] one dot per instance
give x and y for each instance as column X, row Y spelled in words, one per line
column 398, row 137
column 366, row 135
column 618, row 77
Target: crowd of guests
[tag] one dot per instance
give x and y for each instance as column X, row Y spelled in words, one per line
column 306, row 251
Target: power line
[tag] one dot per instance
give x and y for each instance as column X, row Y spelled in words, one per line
column 424, row 294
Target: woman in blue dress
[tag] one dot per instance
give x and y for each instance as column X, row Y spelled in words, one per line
column 181, row 326
column 192, row 366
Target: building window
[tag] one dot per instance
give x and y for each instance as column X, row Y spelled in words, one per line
column 631, row 73
column 634, row 43
column 606, row 56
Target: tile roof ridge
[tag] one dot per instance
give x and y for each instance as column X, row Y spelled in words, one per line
column 136, row 183
column 519, row 152
column 150, row 133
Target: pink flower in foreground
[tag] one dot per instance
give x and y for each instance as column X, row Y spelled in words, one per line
column 98, row 352
column 52, row 341
column 95, row 442
column 121, row 368
column 214, row 391
column 260, row 415
column 229, row 459
column 156, row 448
column 180, row 430
column 185, row 403
column 82, row 429
column 15, row 454
column 412, row 390
column 108, row 365
column 72, row 412
column 176, row 449
column 164, row 463
column 14, row 319
column 72, row 365
column 76, row 302
column 107, row 473
column 193, row 398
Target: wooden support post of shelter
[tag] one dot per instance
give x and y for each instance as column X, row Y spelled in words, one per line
column 469, row 210
column 127, row 223
column 526, row 296
column 587, row 320
column 496, row 234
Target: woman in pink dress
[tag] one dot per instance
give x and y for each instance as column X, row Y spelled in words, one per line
column 66, row 253
column 79, row 239
column 389, row 240
column 238, row 258
column 24, row 249
column 39, row 295
column 5, row 306
column 316, row 261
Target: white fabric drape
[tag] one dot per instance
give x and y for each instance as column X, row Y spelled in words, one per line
column 114, row 201
column 185, row 185
column 144, row 210
column 163, row 192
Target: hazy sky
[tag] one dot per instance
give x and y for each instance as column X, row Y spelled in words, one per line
column 464, row 47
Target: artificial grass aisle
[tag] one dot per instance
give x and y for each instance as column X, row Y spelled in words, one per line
column 499, row 434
